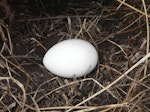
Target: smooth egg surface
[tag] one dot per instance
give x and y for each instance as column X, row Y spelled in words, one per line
column 71, row 58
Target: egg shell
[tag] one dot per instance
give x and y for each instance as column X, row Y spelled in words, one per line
column 71, row 58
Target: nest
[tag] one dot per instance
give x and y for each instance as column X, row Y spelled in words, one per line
column 118, row 29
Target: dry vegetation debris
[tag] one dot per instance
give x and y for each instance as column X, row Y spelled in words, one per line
column 118, row 30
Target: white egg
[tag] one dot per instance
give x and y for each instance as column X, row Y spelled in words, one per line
column 71, row 58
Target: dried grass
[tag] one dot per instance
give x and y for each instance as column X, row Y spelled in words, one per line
column 120, row 82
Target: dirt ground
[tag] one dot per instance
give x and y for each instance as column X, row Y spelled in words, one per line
column 118, row 29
